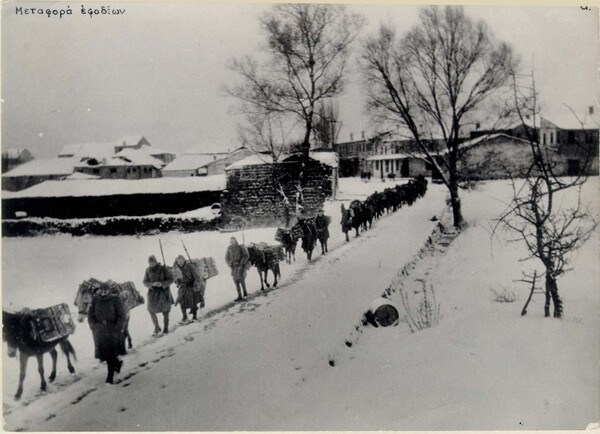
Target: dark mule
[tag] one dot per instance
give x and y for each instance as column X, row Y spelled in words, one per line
column 17, row 329
column 356, row 215
column 322, row 224
column 264, row 260
column 83, row 301
column 289, row 245
column 309, row 236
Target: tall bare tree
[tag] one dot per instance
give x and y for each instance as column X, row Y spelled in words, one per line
column 307, row 47
column 326, row 125
column 547, row 211
column 433, row 80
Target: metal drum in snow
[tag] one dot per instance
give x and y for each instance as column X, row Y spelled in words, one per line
column 385, row 312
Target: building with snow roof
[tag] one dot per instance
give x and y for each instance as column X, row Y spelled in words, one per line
column 12, row 157
column 204, row 164
column 38, row 170
column 128, row 163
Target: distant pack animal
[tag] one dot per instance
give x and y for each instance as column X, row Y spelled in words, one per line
column 322, row 224
column 17, row 332
column 357, row 215
column 263, row 258
column 289, row 242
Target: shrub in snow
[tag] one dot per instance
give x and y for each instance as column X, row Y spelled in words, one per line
column 504, row 296
column 426, row 315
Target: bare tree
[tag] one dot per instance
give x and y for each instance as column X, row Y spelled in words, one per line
column 265, row 134
column 547, row 212
column 307, row 46
column 326, row 125
column 433, row 80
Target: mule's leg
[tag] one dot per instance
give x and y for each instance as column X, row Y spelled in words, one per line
column 260, row 276
column 40, row 360
column 23, row 358
column 275, row 273
column 68, row 350
column 54, row 355
column 267, row 278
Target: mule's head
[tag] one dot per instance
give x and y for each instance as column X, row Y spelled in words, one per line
column 83, row 301
column 13, row 327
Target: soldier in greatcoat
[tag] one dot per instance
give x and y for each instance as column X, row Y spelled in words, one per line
column 158, row 279
column 190, row 288
column 107, row 317
column 237, row 259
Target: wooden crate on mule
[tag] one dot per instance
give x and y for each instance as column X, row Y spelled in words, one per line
column 52, row 323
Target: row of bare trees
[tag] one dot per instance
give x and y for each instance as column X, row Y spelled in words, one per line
column 442, row 75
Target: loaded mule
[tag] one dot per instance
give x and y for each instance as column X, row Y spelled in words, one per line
column 18, row 331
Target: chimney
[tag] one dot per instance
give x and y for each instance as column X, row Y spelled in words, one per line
column 362, row 134
column 351, row 137
column 591, row 109
column 477, row 125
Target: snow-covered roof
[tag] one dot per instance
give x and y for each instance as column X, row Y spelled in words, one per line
column 487, row 138
column 330, row 159
column 89, row 150
column 44, row 166
column 135, row 157
column 112, row 187
column 12, row 152
column 189, row 162
column 327, row 158
column 158, row 151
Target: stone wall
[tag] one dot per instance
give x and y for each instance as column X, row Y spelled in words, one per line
column 252, row 196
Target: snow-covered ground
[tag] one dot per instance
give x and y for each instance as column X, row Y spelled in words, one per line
column 266, row 364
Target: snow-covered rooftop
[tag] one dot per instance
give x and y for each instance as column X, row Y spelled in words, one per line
column 89, row 150
column 112, row 187
column 137, row 157
column 44, row 166
column 190, row 162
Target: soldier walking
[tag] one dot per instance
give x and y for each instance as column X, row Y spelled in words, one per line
column 158, row 279
column 237, row 259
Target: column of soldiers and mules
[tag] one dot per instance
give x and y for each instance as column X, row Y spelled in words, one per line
column 107, row 304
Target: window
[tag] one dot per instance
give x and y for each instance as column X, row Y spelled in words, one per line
column 544, row 139
column 113, row 170
column 551, row 138
column 96, row 171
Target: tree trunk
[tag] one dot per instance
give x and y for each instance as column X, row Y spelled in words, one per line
column 552, row 289
column 455, row 202
column 547, row 304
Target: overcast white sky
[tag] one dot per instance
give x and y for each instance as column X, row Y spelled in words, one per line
column 159, row 69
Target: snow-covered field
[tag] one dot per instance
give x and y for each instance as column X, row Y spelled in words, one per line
column 266, row 364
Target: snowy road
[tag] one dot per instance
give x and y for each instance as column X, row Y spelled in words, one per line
column 238, row 368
